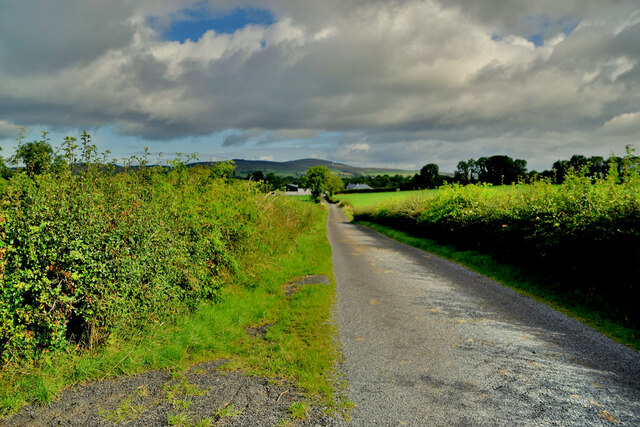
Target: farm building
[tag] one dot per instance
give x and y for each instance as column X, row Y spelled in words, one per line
column 358, row 187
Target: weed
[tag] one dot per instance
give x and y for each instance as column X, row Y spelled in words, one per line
column 205, row 422
column 178, row 419
column 126, row 411
column 299, row 410
column 229, row 411
column 181, row 404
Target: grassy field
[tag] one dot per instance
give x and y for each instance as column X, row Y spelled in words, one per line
column 366, row 201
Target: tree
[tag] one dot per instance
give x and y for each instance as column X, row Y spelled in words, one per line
column 430, row 175
column 274, row 181
column 560, row 167
column 578, row 163
column 37, row 156
column 315, row 180
column 256, row 176
column 333, row 184
column 225, row 169
column 597, row 167
column 462, row 172
column 320, row 179
column 500, row 169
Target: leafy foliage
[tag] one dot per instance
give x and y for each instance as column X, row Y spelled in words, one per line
column 320, row 179
column 85, row 251
column 37, row 156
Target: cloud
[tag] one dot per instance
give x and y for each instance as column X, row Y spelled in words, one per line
column 408, row 73
column 624, row 124
column 44, row 37
column 236, row 139
column 359, row 146
column 8, row 129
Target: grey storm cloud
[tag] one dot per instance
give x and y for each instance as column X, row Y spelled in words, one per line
column 408, row 73
column 236, row 139
column 40, row 36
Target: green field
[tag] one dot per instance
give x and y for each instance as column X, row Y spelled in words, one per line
column 369, row 200
column 362, row 200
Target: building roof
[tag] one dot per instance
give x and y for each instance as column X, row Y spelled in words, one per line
column 358, row 187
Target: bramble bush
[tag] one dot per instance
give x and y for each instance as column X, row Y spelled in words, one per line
column 87, row 251
column 581, row 237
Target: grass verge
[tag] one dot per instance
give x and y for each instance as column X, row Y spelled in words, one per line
column 521, row 281
column 298, row 346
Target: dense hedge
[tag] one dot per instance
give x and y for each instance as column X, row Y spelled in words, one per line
column 87, row 252
column 582, row 237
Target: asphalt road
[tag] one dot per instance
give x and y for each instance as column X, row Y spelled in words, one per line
column 428, row 342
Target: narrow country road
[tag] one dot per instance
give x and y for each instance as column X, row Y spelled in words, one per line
column 427, row 342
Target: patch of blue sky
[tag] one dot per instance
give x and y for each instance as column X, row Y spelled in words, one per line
column 193, row 23
column 547, row 28
column 569, row 25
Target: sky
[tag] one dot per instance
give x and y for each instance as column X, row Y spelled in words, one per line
column 387, row 83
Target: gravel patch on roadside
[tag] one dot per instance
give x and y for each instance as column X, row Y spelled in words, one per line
column 205, row 393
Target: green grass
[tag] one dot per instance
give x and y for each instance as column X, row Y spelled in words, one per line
column 299, row 410
column 360, row 201
column 520, row 281
column 298, row 347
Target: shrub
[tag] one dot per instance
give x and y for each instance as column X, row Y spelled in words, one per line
column 87, row 251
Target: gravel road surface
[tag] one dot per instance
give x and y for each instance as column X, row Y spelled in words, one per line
column 428, row 342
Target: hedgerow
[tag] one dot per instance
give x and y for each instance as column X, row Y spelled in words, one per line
column 87, row 251
column 581, row 237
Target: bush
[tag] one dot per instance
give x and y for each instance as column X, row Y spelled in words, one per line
column 86, row 251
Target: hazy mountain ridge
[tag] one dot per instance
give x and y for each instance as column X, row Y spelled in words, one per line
column 299, row 167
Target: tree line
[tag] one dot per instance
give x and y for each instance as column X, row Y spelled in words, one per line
column 38, row 156
column 503, row 170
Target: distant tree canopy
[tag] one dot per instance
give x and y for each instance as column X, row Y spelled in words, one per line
column 496, row 170
column 256, row 176
column 595, row 167
column 37, row 156
column 429, row 177
column 320, row 179
column 271, row 181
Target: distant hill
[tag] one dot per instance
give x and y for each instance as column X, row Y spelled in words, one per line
column 300, row 167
